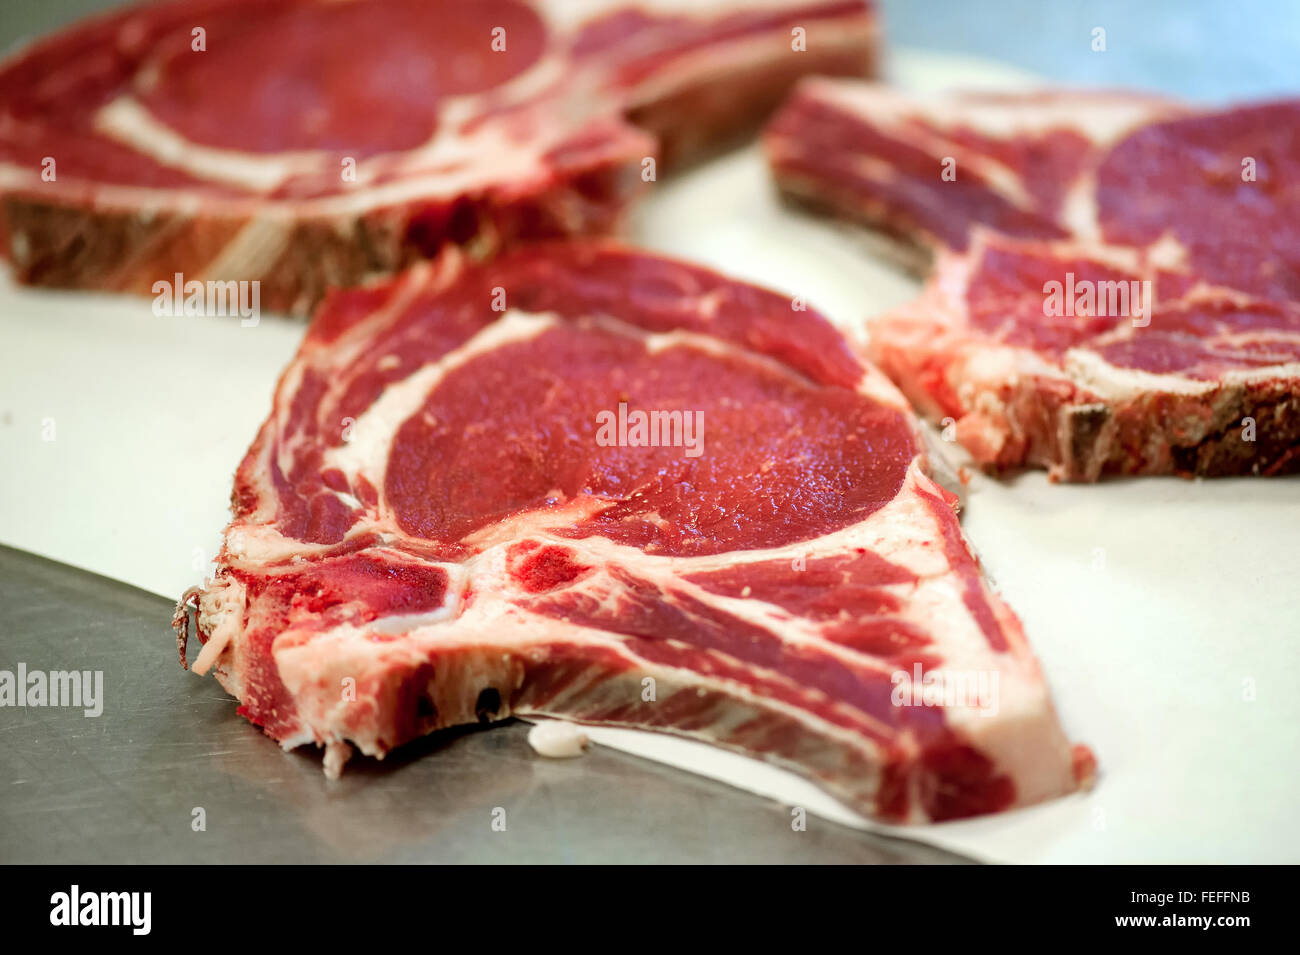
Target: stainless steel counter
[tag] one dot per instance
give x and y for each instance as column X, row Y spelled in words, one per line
column 124, row 786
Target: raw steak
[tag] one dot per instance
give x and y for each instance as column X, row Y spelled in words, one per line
column 311, row 143
column 430, row 530
column 1205, row 383
column 1023, row 162
column 1082, row 188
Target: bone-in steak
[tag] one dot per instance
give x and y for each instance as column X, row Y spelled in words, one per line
column 1117, row 278
column 309, row 143
column 456, row 512
column 1203, row 380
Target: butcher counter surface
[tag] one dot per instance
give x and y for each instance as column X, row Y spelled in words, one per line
column 168, row 772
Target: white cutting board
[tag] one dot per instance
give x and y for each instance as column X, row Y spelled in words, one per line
column 1166, row 612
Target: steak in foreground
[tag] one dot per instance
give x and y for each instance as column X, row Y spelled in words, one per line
column 309, row 143
column 452, row 515
column 1116, row 278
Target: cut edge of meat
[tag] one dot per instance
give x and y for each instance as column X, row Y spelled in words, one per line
column 96, row 245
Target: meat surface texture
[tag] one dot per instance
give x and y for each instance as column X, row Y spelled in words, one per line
column 1115, row 278
column 312, row 143
column 438, row 524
